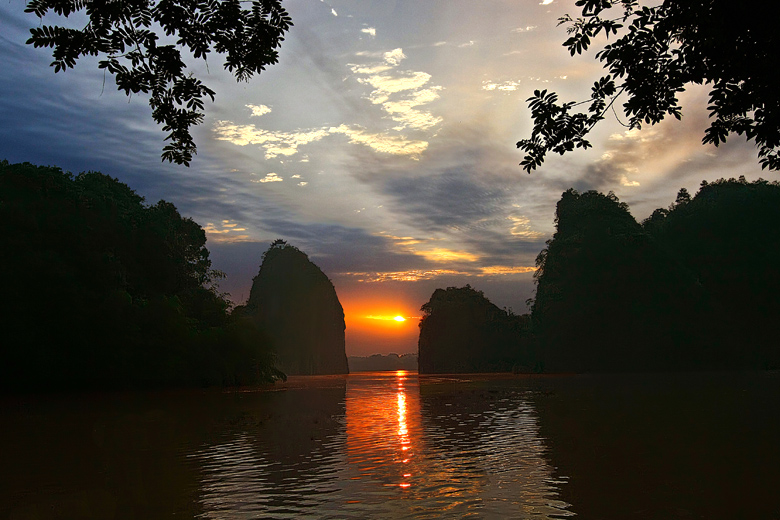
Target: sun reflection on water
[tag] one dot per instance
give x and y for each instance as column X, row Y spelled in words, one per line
column 390, row 445
column 403, row 429
column 383, row 429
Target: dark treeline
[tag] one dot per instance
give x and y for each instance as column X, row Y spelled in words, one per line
column 695, row 286
column 103, row 290
column 462, row 331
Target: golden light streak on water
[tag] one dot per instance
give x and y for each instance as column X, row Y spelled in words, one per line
column 403, row 429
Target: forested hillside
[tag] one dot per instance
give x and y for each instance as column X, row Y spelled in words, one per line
column 695, row 286
column 104, row 290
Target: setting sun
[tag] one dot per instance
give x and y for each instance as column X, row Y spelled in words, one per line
column 399, row 318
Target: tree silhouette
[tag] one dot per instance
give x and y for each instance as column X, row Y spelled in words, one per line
column 462, row 331
column 141, row 43
column 105, row 291
column 727, row 236
column 608, row 298
column 695, row 286
column 658, row 52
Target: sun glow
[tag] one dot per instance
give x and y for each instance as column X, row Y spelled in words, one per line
column 373, row 324
column 387, row 317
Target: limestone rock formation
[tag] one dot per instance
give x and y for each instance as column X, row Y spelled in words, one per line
column 461, row 331
column 297, row 306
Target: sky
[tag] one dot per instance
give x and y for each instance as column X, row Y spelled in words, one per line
column 383, row 145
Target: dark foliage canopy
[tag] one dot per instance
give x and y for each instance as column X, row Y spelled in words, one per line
column 462, row 331
column 656, row 53
column 695, row 286
column 141, row 44
column 106, row 291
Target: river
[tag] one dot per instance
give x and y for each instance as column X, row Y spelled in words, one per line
column 398, row 445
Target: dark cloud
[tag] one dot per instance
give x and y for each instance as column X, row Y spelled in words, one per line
column 452, row 200
column 466, row 190
column 345, row 249
column 337, row 250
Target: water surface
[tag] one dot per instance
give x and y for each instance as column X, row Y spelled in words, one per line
column 399, row 445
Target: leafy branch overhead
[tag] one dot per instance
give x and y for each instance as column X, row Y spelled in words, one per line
column 141, row 43
column 657, row 52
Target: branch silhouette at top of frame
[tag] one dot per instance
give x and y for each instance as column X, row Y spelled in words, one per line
column 127, row 35
column 656, row 53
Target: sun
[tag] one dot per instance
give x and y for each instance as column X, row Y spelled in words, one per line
column 399, row 318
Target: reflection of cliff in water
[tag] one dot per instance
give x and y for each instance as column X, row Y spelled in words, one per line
column 280, row 456
column 383, row 447
column 484, row 438
column 423, row 447
column 653, row 446
column 118, row 456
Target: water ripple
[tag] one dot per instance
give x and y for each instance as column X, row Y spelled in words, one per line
column 388, row 446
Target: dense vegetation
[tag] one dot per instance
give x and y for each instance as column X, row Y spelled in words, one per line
column 694, row 286
column 296, row 303
column 103, row 290
column 462, row 331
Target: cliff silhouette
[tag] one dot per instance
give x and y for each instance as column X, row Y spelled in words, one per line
column 296, row 305
column 462, row 331
column 694, row 287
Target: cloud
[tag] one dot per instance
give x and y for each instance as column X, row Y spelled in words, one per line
column 521, row 227
column 624, row 181
column 259, row 110
column 527, row 28
column 505, row 86
column 382, row 142
column 447, row 200
column 402, row 241
column 371, row 31
column 271, row 177
column 288, row 143
column 394, row 57
column 225, row 231
column 275, row 143
column 417, row 275
column 400, row 93
column 442, row 255
column 436, row 255
column 465, row 195
column 494, row 270
column 386, row 85
column 405, row 113
column 412, row 275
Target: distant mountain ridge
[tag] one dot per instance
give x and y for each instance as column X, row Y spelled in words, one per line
column 378, row 362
